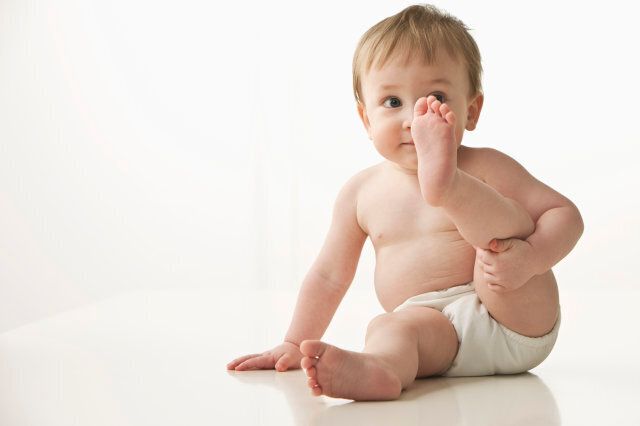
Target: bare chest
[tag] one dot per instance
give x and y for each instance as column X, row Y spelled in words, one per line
column 392, row 211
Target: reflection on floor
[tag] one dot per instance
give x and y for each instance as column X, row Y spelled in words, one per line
column 495, row 400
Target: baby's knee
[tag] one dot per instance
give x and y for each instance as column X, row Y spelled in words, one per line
column 405, row 320
column 377, row 321
column 389, row 319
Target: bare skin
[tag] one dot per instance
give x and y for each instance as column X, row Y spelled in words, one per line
column 438, row 214
column 399, row 347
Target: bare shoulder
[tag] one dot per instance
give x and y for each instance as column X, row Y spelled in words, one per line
column 369, row 172
column 487, row 163
column 493, row 167
column 511, row 179
column 360, row 180
column 471, row 161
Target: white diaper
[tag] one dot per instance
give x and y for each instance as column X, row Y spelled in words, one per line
column 486, row 346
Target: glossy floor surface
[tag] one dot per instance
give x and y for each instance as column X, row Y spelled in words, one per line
column 158, row 358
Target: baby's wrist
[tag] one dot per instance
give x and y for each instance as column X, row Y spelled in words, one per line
column 297, row 345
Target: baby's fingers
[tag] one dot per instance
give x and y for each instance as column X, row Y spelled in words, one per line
column 288, row 361
column 261, row 362
column 283, row 363
column 233, row 364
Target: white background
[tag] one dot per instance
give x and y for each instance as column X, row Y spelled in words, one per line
column 154, row 145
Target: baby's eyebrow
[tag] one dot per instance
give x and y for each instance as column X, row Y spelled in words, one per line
column 441, row 80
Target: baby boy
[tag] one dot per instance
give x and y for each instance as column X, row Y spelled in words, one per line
column 465, row 238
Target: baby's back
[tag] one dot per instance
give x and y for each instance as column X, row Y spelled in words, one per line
column 418, row 248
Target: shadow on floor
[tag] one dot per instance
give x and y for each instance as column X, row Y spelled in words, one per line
column 492, row 400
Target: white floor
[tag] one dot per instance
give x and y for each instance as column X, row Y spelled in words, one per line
column 158, row 358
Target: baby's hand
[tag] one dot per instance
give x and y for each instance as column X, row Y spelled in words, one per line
column 282, row 357
column 507, row 265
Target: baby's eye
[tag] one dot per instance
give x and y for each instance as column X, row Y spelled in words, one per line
column 438, row 96
column 392, row 102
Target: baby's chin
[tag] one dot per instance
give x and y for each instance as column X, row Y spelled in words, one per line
column 410, row 163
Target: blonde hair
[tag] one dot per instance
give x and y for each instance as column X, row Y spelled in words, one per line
column 417, row 30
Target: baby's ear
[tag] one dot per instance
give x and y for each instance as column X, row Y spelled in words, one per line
column 473, row 112
column 362, row 112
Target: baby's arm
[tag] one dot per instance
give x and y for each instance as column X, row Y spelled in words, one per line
column 558, row 223
column 557, row 232
column 323, row 288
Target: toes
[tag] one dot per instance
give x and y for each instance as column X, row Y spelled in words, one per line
column 308, row 362
column 421, row 107
column 435, row 106
column 311, row 372
column 430, row 100
column 315, row 387
column 450, row 117
column 313, row 348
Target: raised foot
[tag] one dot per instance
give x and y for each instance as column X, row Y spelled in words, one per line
column 433, row 132
column 338, row 373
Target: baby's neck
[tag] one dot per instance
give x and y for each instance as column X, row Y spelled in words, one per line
column 402, row 169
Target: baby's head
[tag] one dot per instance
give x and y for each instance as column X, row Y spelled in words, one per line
column 415, row 53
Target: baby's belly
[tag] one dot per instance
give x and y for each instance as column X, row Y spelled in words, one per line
column 418, row 266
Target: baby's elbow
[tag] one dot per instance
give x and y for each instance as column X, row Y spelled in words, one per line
column 579, row 221
column 574, row 217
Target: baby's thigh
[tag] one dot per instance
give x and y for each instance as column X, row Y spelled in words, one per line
column 530, row 310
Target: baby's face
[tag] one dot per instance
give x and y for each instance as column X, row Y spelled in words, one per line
column 390, row 95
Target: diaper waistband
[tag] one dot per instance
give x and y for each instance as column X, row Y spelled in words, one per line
column 438, row 299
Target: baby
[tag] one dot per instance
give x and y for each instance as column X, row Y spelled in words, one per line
column 464, row 238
